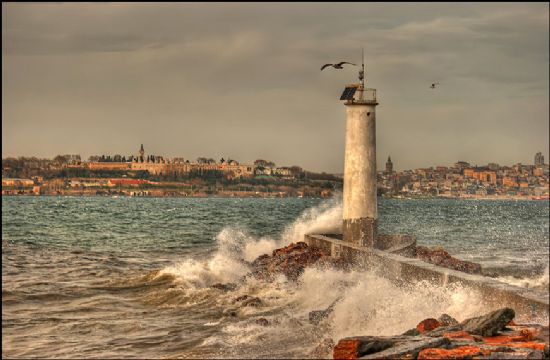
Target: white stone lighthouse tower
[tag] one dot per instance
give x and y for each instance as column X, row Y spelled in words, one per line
column 360, row 212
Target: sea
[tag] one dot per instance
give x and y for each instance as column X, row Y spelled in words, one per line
column 131, row 277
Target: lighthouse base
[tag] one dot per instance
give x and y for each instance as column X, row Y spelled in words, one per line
column 362, row 231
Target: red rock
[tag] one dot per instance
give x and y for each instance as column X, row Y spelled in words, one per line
column 526, row 345
column 346, row 349
column 442, row 258
column 459, row 335
column 511, row 323
column 521, row 336
column 462, row 352
column 427, row 325
column 290, row 261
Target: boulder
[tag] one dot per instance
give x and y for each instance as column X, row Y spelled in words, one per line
column 490, row 324
column 427, row 325
column 383, row 347
column 289, row 261
column 447, row 320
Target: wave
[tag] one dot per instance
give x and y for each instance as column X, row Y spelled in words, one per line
column 364, row 303
column 236, row 247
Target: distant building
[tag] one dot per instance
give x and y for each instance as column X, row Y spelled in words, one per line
column 539, row 159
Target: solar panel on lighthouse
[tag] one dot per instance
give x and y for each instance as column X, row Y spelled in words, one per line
column 348, row 93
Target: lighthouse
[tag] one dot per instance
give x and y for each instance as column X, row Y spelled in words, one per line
column 360, row 211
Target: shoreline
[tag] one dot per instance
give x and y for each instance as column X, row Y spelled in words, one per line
column 274, row 196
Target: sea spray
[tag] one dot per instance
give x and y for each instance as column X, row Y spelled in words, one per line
column 324, row 218
column 235, row 247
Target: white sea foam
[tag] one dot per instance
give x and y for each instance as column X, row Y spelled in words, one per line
column 235, row 244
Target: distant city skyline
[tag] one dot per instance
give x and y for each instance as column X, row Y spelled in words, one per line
column 243, row 80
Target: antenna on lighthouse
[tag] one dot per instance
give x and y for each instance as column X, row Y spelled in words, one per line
column 362, row 71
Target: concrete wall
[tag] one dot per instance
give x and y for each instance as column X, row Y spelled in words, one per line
column 528, row 304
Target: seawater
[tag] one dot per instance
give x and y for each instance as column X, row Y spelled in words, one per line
column 130, row 277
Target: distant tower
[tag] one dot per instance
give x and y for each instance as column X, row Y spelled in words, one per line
column 360, row 213
column 389, row 166
column 141, row 154
column 539, row 159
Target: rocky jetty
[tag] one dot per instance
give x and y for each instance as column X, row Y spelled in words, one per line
column 291, row 261
column 440, row 257
column 491, row 336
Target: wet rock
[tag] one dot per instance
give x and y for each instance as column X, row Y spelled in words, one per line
column 357, row 347
column 447, row 320
column 225, row 287
column 440, row 257
column 459, row 335
column 262, row 321
column 440, row 331
column 384, row 347
column 427, row 325
column 316, row 316
column 490, row 324
column 462, row 352
column 289, row 261
column 408, row 349
column 246, row 300
column 494, row 340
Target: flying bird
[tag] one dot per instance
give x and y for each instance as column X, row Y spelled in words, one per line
column 337, row 66
column 433, row 85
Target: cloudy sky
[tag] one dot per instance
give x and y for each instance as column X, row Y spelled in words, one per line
column 242, row 80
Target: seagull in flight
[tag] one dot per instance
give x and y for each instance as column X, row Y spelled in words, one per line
column 433, row 85
column 337, row 66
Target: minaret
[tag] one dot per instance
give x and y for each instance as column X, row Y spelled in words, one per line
column 141, row 154
column 360, row 213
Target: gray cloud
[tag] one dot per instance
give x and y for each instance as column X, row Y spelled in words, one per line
column 243, row 80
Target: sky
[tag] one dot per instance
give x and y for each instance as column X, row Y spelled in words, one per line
column 243, row 80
